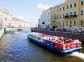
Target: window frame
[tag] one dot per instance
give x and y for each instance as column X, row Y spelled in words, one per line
column 63, row 8
column 63, row 15
column 82, row 22
column 75, row 12
column 70, row 5
column 75, row 4
column 81, row 2
column 60, row 9
column 81, row 12
column 74, row 23
column 71, row 13
column 67, row 7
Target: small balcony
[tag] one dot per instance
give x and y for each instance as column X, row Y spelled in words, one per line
column 70, row 16
column 53, row 17
column 66, row 16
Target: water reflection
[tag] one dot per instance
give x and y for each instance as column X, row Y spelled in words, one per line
column 15, row 47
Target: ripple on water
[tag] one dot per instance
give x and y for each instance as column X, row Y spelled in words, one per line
column 16, row 48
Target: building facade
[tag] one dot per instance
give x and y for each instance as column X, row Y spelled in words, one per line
column 71, row 13
column 48, row 18
column 16, row 22
column 68, row 14
column 5, row 17
column 45, row 18
column 54, row 17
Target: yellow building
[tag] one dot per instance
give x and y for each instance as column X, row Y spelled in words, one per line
column 70, row 13
column 54, row 16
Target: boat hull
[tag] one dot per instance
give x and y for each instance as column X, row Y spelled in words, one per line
column 53, row 48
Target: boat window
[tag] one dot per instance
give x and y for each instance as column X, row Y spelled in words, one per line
column 39, row 38
column 35, row 37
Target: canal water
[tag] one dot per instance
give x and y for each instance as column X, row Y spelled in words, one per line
column 15, row 47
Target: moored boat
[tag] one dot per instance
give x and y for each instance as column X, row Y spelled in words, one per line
column 19, row 29
column 59, row 45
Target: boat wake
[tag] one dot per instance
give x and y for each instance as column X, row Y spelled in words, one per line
column 77, row 54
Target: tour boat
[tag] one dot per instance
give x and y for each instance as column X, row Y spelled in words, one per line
column 59, row 45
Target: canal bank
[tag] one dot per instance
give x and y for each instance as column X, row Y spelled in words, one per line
column 1, row 32
column 15, row 47
column 79, row 36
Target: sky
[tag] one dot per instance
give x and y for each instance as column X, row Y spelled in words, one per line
column 30, row 10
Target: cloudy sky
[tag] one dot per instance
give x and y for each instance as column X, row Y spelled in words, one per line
column 28, row 9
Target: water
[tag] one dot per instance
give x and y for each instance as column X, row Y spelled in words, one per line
column 15, row 47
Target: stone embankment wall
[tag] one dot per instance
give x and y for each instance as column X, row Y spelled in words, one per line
column 79, row 36
column 1, row 32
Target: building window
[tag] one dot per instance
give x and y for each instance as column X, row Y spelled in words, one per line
column 74, row 4
column 82, row 22
column 81, row 12
column 74, row 23
column 63, row 15
column 70, row 23
column 82, row 3
column 60, row 15
column 71, row 6
column 67, row 14
column 67, row 7
column 60, row 9
column 67, row 23
column 43, row 22
column 74, row 12
column 71, row 13
column 63, row 23
column 63, row 8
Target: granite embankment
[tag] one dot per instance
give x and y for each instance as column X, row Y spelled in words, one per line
column 1, row 32
column 79, row 36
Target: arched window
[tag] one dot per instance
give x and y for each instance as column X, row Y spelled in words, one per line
column 67, row 7
column 74, row 12
column 74, row 23
column 74, row 4
column 71, row 6
column 63, row 8
column 82, row 3
column 81, row 12
column 82, row 22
